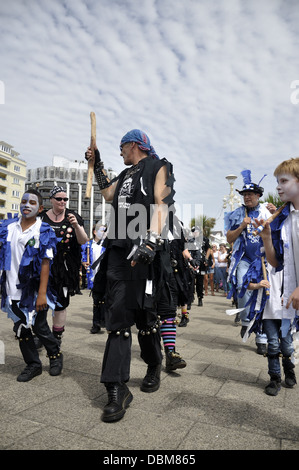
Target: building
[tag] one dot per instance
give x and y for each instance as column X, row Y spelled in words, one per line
column 217, row 237
column 12, row 180
column 72, row 175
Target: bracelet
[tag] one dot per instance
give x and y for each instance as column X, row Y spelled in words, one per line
column 154, row 237
column 101, row 178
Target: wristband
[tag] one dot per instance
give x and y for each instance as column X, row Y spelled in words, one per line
column 154, row 238
column 101, row 178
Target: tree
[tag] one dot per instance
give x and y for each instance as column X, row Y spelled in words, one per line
column 207, row 224
column 273, row 199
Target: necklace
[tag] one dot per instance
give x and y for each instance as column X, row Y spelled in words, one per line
column 57, row 215
column 132, row 170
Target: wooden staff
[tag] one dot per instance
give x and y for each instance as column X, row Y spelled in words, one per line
column 248, row 225
column 91, row 160
column 270, row 219
column 265, row 274
column 88, row 258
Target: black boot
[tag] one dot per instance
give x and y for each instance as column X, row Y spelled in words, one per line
column 31, row 357
column 174, row 360
column 261, row 349
column 288, row 367
column 151, row 381
column 119, row 398
column 199, row 302
column 274, row 386
column 56, row 364
column 184, row 320
column 95, row 329
column 29, row 373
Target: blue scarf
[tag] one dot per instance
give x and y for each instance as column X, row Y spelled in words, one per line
column 141, row 139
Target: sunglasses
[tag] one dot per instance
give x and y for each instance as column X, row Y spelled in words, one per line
column 61, row 199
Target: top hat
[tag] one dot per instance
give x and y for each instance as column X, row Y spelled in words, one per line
column 248, row 185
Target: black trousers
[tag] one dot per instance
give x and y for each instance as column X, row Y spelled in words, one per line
column 124, row 300
column 41, row 329
column 119, row 319
column 98, row 311
column 199, row 285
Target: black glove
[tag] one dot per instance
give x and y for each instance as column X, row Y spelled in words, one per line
column 193, row 263
column 101, row 178
column 144, row 254
column 97, row 160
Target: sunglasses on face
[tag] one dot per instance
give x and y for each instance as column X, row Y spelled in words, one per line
column 65, row 199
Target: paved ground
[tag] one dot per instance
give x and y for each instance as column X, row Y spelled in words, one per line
column 217, row 402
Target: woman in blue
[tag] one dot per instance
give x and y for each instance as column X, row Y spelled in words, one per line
column 27, row 248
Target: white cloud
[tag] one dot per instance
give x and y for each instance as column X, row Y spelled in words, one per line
column 208, row 81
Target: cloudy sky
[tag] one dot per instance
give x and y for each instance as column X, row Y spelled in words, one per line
column 208, row 81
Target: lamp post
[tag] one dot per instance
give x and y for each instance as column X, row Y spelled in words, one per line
column 231, row 199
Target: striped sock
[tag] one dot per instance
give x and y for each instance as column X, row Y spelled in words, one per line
column 168, row 333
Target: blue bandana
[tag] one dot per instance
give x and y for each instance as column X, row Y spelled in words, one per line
column 141, row 139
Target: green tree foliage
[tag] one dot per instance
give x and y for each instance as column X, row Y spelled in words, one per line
column 207, row 224
column 272, row 198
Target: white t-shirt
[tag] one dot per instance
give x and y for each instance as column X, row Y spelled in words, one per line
column 216, row 256
column 295, row 239
column 273, row 309
column 222, row 260
column 96, row 253
column 18, row 240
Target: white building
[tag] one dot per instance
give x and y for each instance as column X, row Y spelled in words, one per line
column 12, row 180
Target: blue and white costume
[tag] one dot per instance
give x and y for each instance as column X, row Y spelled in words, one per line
column 246, row 261
column 281, row 230
column 246, row 267
column 35, row 244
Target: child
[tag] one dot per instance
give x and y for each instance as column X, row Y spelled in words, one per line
column 27, row 249
column 281, row 242
column 91, row 252
column 279, row 338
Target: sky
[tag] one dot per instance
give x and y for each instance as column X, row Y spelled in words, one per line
column 214, row 84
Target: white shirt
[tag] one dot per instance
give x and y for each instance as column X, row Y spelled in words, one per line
column 273, row 308
column 18, row 240
column 96, row 253
column 216, row 255
column 222, row 260
column 295, row 239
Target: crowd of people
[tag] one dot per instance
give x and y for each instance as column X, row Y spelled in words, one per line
column 143, row 276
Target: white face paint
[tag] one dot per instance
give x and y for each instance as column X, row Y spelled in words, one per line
column 288, row 188
column 100, row 232
column 29, row 205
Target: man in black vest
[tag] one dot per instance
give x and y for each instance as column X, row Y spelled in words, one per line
column 135, row 267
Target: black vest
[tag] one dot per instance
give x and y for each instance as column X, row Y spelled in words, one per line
column 135, row 186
